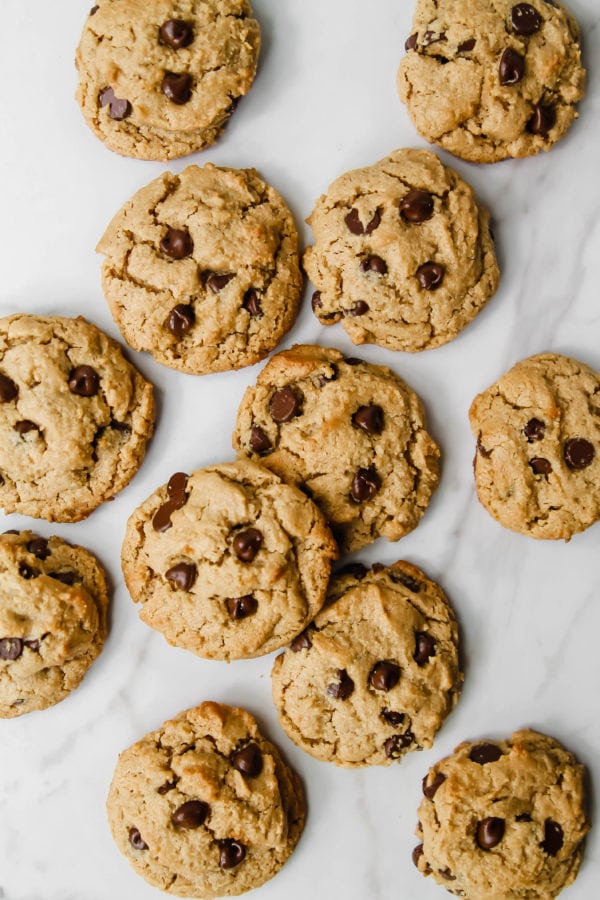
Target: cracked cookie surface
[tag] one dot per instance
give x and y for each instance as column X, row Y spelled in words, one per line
column 351, row 434
column 53, row 611
column 205, row 806
column 202, row 269
column 489, row 80
column 403, row 256
column 503, row 819
column 228, row 562
column 75, row 417
column 159, row 79
column 376, row 673
column 537, row 463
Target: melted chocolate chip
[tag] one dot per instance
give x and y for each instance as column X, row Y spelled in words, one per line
column 342, row 689
column 136, row 840
column 411, row 42
column 430, row 789
column 374, row 264
column 217, row 282
column 161, row 520
column 176, row 33
column 542, row 121
column 394, row 745
column 365, row 484
column 407, row 580
column 301, row 642
column 373, row 223
column 369, row 418
column 284, row 405
column 357, row 570
column 578, row 453
column 447, row 874
column 252, row 303
column 246, row 544
column 241, row 607
column 25, row 426
column 512, row 67
column 525, row 20
column 180, row 319
column 8, row 389
column 485, row 753
column 417, row 854
column 316, row 301
column 259, row 441
column 432, row 37
column 466, row 46
column 417, row 206
column 384, row 675
column 490, row 832
column 27, row 572
column 540, row 466
column 182, row 576
column 393, row 718
column 553, row 837
column 67, row 578
column 232, row 854
column 117, row 109
column 424, row 649
column 94, row 10
column 33, row 645
column 353, row 223
column 177, row 243
column 353, row 360
column 84, row 381
column 534, row 430
column 167, row 786
column 176, row 486
column 481, row 449
column 177, row 498
column 177, row 88
column 248, row 760
column 326, row 379
column 359, row 309
column 191, row 814
column 10, row 648
column 430, row 275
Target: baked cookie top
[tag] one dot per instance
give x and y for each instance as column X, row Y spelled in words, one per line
column 75, row 417
column 351, row 434
column 403, row 255
column 202, row 269
column 489, row 80
column 53, row 611
column 537, row 463
column 503, row 819
column 228, row 562
column 376, row 673
column 159, row 78
column 205, row 806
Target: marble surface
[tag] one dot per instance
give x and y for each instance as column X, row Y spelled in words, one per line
column 324, row 102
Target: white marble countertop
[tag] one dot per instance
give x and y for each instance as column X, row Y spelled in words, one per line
column 324, row 102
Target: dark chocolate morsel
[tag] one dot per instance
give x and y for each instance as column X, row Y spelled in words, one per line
column 94, row 10
column 534, row 430
column 67, row 578
column 176, row 33
column 27, row 572
column 217, row 282
column 373, row 223
column 342, row 688
column 117, row 109
column 34, row 645
column 365, row 484
column 252, row 303
column 191, row 814
column 542, row 121
column 523, row 817
column 316, row 301
column 377, row 567
column 325, row 379
column 490, row 832
column 182, row 576
column 417, row 854
column 177, row 87
column 485, row 753
column 25, row 426
column 176, row 486
column 167, row 786
column 248, row 760
column 301, row 642
column 359, row 309
column 353, row 223
column 447, row 874
column 284, row 405
column 430, row 275
column 394, row 745
column 232, row 854
column 553, row 837
column 357, row 570
column 161, row 521
column 259, row 441
column 177, row 243
column 525, row 19
column 353, row 360
column 417, row 206
column 384, row 675
column 578, row 453
column 369, row 418
column 241, row 607
column 430, row 789
column 512, row 67
column 424, row 648
column 407, row 580
column 540, row 466
column 375, row 264
column 410, row 42
column 432, row 37
column 10, row 648
column 466, row 46
column 392, row 717
column 136, row 840
column 247, row 543
column 180, row 319
column 84, row 381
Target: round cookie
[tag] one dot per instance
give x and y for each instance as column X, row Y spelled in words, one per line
column 349, row 433
column 159, row 78
column 53, row 611
column 537, row 464
column 75, row 417
column 488, row 81
column 205, row 806
column 202, row 269
column 376, row 673
column 228, row 562
column 503, row 819
column 403, row 256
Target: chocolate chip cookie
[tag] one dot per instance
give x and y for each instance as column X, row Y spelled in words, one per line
column 159, row 79
column 202, row 269
column 205, row 806
column 503, row 819
column 488, row 81
column 75, row 417
column 351, row 434
column 403, row 255
column 53, row 609
column 228, row 562
column 537, row 463
column 376, row 673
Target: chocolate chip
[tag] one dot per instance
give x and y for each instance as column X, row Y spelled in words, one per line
column 121, row 427
column 353, row 222
column 248, row 760
column 8, row 389
column 34, row 645
column 24, row 426
column 357, row 570
column 466, row 46
column 217, row 282
column 232, row 854
column 432, row 37
column 540, row 466
column 167, row 786
column 542, row 121
column 176, row 33
column 485, row 753
column 359, row 309
column 177, row 498
column 176, row 487
column 369, row 418
column 417, row 854
column 246, row 544
column 481, row 449
column 490, row 832
column 430, row 275
column 94, row 10
column 384, row 675
column 424, row 649
column 259, row 441
column 431, row 789
column 447, row 874
column 343, row 688
column 301, row 642
column 374, row 222
column 191, row 814
column 407, row 580
column 553, row 837
column 411, row 42
column 241, row 607
column 512, row 67
column 377, row 567
column 417, row 206
column 374, row 264
column 252, row 303
column 394, row 745
column 393, row 718
column 161, row 520
column 67, row 578
column 177, row 88
column 534, row 430
column 84, row 381
column 326, row 379
column 525, row 19
column 284, row 405
column 10, row 648
column 523, row 817
column 183, row 575
column 180, row 319
column 177, row 243
column 578, row 453
column 316, row 301
column 27, row 572
column 136, row 840
column 365, row 484
column 117, row 109
column 353, row 360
